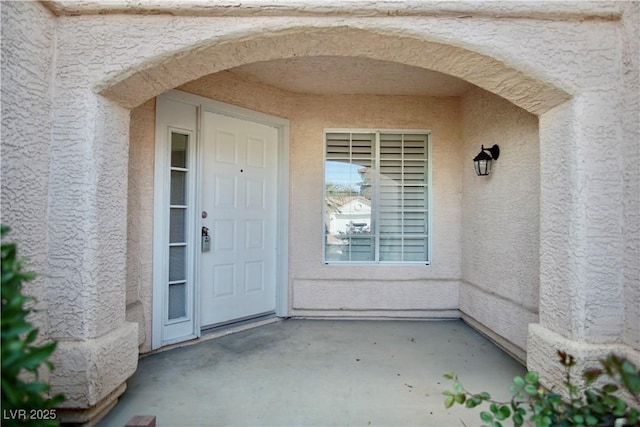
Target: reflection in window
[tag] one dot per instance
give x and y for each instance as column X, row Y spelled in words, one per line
column 376, row 197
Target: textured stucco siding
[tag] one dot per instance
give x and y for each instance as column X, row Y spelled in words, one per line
column 42, row 200
column 90, row 137
column 410, row 283
column 140, row 220
column 589, row 226
column 65, row 147
column 581, row 221
column 233, row 89
column 337, row 8
column 631, row 148
column 192, row 47
column 500, row 219
column 28, row 40
column 581, row 198
column 87, row 258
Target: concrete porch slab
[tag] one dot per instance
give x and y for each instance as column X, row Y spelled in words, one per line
column 318, row 373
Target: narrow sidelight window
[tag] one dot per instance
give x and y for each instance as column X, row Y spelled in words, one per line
column 178, row 210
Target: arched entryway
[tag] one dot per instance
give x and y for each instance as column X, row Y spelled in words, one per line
column 189, row 69
column 473, row 59
column 152, row 76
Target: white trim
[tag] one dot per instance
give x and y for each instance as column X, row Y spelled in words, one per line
column 430, row 201
column 219, row 107
column 182, row 328
column 160, row 222
column 282, row 258
column 197, row 225
column 161, row 194
column 376, row 130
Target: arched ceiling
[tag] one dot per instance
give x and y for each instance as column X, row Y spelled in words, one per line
column 347, row 75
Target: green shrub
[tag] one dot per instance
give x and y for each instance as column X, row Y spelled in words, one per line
column 594, row 406
column 25, row 399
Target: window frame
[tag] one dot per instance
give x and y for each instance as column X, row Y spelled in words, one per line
column 375, row 202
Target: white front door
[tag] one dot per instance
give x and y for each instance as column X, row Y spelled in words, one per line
column 239, row 209
column 225, row 169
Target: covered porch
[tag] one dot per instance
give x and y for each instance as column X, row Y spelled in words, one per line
column 318, row 372
column 541, row 255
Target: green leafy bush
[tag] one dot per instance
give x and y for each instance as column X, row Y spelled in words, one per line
column 25, row 399
column 594, row 406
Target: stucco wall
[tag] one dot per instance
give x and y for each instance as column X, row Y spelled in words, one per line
column 139, row 225
column 631, row 147
column 28, row 37
column 36, row 190
column 421, row 290
column 500, row 220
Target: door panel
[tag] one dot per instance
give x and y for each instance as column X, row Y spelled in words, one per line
column 239, row 194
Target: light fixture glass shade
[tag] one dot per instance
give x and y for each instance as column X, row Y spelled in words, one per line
column 482, row 163
column 483, row 167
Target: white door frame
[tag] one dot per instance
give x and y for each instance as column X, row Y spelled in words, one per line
column 160, row 220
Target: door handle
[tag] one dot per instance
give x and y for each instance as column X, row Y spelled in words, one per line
column 205, row 240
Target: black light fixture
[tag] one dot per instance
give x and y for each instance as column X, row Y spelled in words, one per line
column 482, row 161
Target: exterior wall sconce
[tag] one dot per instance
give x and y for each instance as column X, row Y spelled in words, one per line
column 482, row 161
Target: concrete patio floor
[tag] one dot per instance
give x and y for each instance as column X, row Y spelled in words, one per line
column 318, row 373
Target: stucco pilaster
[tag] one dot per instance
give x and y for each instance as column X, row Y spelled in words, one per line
column 97, row 349
column 557, row 275
column 92, row 373
column 88, row 207
column 582, row 305
column 543, row 345
column 631, row 149
column 581, row 220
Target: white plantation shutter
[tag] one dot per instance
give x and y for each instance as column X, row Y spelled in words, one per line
column 389, row 171
column 403, row 209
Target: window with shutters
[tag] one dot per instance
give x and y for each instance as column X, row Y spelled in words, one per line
column 376, row 196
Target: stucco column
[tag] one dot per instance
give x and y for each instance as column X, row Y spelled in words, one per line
column 97, row 348
column 581, row 239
